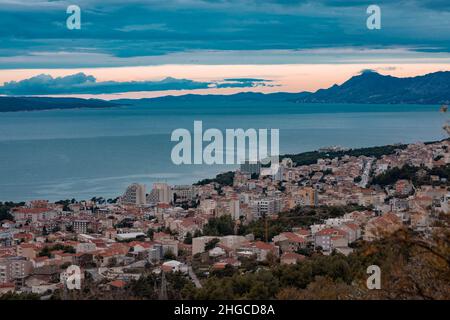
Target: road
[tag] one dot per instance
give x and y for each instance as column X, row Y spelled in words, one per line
column 366, row 174
column 194, row 277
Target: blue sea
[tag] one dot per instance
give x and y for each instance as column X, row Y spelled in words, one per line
column 82, row 153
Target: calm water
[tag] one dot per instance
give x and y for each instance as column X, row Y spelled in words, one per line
column 84, row 153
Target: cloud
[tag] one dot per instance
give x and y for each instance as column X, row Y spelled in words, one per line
column 390, row 68
column 244, row 83
column 151, row 29
column 81, row 83
column 367, row 71
column 144, row 27
column 376, row 70
column 76, row 60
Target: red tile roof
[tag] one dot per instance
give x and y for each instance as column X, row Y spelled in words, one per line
column 118, row 284
column 140, row 243
column 352, row 226
column 330, row 232
column 263, row 246
column 292, row 237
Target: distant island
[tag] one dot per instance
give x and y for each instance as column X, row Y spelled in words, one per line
column 11, row 104
column 369, row 87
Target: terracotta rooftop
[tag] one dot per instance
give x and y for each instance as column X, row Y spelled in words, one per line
column 118, row 284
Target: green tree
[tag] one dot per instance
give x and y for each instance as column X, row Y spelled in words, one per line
column 150, row 233
column 211, row 244
column 5, row 208
column 169, row 255
column 219, row 226
column 197, row 233
column 188, row 238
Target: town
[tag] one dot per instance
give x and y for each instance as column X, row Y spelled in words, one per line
column 241, row 221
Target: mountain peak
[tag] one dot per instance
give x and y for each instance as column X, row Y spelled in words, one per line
column 371, row 87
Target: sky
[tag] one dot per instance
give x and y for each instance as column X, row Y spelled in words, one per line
column 140, row 48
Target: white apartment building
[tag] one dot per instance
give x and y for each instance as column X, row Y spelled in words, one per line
column 80, row 226
column 134, row 195
column 183, row 193
column 33, row 214
column 208, row 206
column 161, row 193
column 250, row 167
column 269, row 206
column 229, row 207
column 14, row 268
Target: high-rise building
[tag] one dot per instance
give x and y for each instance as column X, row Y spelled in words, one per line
column 275, row 171
column 250, row 167
column 229, row 206
column 14, row 268
column 265, row 207
column 287, row 163
column 183, row 193
column 80, row 226
column 134, row 195
column 307, row 196
column 161, row 192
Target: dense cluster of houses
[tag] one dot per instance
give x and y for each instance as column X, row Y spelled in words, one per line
column 115, row 242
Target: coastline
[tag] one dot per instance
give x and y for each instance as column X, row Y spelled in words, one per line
column 305, row 158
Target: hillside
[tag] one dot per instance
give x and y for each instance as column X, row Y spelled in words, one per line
column 10, row 104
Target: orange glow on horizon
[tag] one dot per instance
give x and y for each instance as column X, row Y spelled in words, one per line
column 285, row 77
